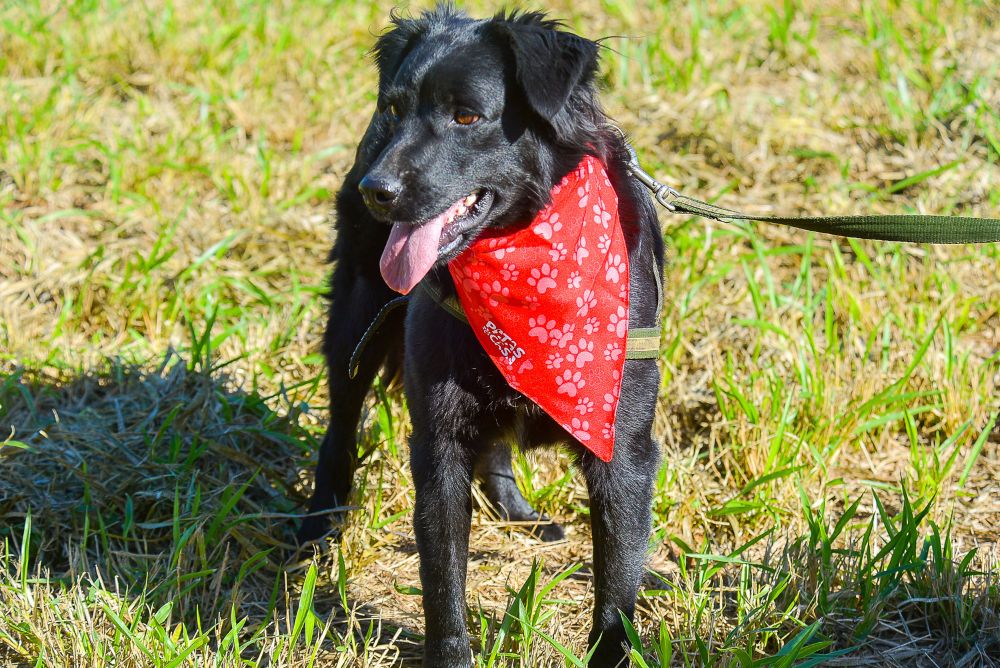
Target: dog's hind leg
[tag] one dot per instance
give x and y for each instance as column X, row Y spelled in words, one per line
column 494, row 470
column 353, row 305
column 621, row 493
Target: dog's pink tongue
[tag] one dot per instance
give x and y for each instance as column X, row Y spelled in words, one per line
column 410, row 253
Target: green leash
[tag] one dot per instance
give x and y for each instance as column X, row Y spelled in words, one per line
column 897, row 227
column 644, row 342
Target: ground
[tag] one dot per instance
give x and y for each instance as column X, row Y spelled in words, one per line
column 829, row 490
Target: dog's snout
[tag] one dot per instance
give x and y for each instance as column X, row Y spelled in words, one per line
column 379, row 192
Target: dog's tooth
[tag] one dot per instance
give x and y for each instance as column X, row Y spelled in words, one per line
column 470, row 200
column 462, row 210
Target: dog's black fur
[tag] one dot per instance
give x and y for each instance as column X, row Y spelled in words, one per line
column 532, row 85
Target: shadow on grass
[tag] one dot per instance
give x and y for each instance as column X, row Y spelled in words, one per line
column 177, row 494
column 171, row 488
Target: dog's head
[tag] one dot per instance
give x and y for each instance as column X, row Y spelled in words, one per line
column 479, row 119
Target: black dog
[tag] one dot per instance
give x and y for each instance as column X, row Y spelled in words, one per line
column 493, row 113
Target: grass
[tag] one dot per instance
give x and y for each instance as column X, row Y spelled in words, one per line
column 828, row 412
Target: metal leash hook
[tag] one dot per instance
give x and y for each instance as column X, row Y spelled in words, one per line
column 660, row 191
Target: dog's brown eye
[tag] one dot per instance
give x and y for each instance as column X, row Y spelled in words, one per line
column 466, row 117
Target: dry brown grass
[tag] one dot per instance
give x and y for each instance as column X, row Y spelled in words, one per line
column 165, row 177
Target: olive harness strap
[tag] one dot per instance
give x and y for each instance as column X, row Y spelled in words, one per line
column 644, row 342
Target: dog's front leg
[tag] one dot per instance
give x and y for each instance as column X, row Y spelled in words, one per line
column 442, row 474
column 621, row 493
column 354, row 304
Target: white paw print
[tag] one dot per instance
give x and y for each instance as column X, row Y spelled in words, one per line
column 584, row 405
column 608, row 431
column 616, row 268
column 592, row 325
column 603, row 243
column 499, row 251
column 557, row 252
column 494, row 293
column 469, row 272
column 541, row 328
column 573, row 281
column 554, row 361
column 585, row 302
column 510, row 272
column 618, row 322
column 543, row 278
column 581, row 352
column 564, row 336
column 612, row 352
column 581, row 253
column 601, row 215
column 548, row 227
column 569, row 383
column 580, row 429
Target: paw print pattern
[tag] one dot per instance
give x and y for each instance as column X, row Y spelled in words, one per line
column 543, row 278
column 548, row 227
column 585, row 302
column 570, row 382
column 563, row 336
column 604, row 243
column 580, row 353
column 541, row 328
column 618, row 322
column 615, row 268
column 470, row 279
column 558, row 252
column 499, row 249
column 602, row 216
column 581, row 253
column 553, row 296
column 580, row 429
column 494, row 293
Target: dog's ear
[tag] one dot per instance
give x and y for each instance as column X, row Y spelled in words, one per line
column 549, row 64
column 393, row 46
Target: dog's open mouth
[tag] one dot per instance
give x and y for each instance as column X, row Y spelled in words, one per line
column 412, row 249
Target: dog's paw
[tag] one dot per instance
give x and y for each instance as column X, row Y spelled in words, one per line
column 448, row 653
column 547, row 531
column 611, row 651
column 315, row 528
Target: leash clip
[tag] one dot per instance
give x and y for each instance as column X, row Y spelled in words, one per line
column 661, row 191
column 661, row 195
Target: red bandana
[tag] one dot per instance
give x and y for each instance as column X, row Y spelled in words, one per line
column 549, row 304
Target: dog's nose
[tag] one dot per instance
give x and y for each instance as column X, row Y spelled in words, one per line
column 379, row 192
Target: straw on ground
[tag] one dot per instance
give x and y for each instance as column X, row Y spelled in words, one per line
column 829, row 489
